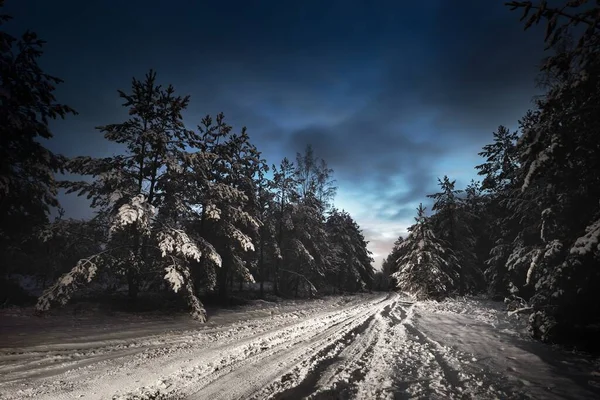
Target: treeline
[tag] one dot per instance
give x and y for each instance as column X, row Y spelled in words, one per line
column 531, row 229
column 193, row 210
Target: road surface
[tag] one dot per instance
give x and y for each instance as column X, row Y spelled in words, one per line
column 364, row 347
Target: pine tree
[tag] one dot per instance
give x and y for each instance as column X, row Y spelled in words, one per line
column 501, row 161
column 229, row 212
column 27, row 103
column 550, row 246
column 428, row 268
column 501, row 173
column 267, row 247
column 476, row 205
column 285, row 189
column 352, row 269
column 315, row 190
column 389, row 265
column 144, row 198
column 453, row 224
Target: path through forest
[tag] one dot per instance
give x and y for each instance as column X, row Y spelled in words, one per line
column 365, row 347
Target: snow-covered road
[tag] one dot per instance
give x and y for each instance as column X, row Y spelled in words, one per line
column 366, row 347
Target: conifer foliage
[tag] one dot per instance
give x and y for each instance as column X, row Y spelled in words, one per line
column 555, row 188
column 427, row 267
column 136, row 194
column 533, row 224
column 195, row 209
column 187, row 210
column 352, row 260
column 27, row 105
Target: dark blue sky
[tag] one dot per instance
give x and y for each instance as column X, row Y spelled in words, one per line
column 392, row 94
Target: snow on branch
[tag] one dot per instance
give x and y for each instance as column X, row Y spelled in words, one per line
column 174, row 278
column 83, row 272
column 521, row 310
column 177, row 242
column 209, row 251
column 588, row 242
column 179, row 277
column 301, row 250
column 534, row 262
column 542, row 158
column 137, row 211
column 242, row 270
column 244, row 240
column 212, row 212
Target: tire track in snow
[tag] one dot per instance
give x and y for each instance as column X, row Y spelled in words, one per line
column 277, row 372
column 344, row 379
column 450, row 374
column 440, row 372
column 151, row 357
column 370, row 347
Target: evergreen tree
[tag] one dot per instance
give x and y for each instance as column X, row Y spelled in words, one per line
column 27, row 103
column 453, row 224
column 268, row 251
column 285, row 188
column 143, row 197
column 352, row 269
column 501, row 173
column 428, row 268
column 230, row 196
column 501, row 161
column 315, row 190
column 549, row 244
column 476, row 205
column 389, row 265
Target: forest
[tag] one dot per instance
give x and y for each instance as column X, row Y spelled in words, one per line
column 184, row 210
column 529, row 231
column 198, row 212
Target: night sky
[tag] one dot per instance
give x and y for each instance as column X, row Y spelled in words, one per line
column 392, row 94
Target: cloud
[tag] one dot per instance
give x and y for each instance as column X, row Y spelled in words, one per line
column 392, row 96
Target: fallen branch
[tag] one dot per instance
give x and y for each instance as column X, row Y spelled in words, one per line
column 521, row 310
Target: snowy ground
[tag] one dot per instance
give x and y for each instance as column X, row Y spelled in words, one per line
column 366, row 347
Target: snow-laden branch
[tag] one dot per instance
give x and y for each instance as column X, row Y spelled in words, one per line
column 137, row 211
column 83, row 272
column 588, row 242
column 175, row 241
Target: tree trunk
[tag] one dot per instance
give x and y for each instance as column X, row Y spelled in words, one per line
column 222, row 278
column 296, row 289
column 261, row 271
column 276, row 279
column 133, row 284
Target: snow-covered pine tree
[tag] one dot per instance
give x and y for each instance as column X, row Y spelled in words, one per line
column 453, row 224
column 389, row 265
column 27, row 104
column 286, row 195
column 352, row 266
column 143, row 196
column 267, row 250
column 557, row 197
column 427, row 268
column 475, row 205
column 501, row 175
column 228, row 193
column 501, row 161
column 315, row 189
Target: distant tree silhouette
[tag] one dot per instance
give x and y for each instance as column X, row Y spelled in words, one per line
column 28, row 187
